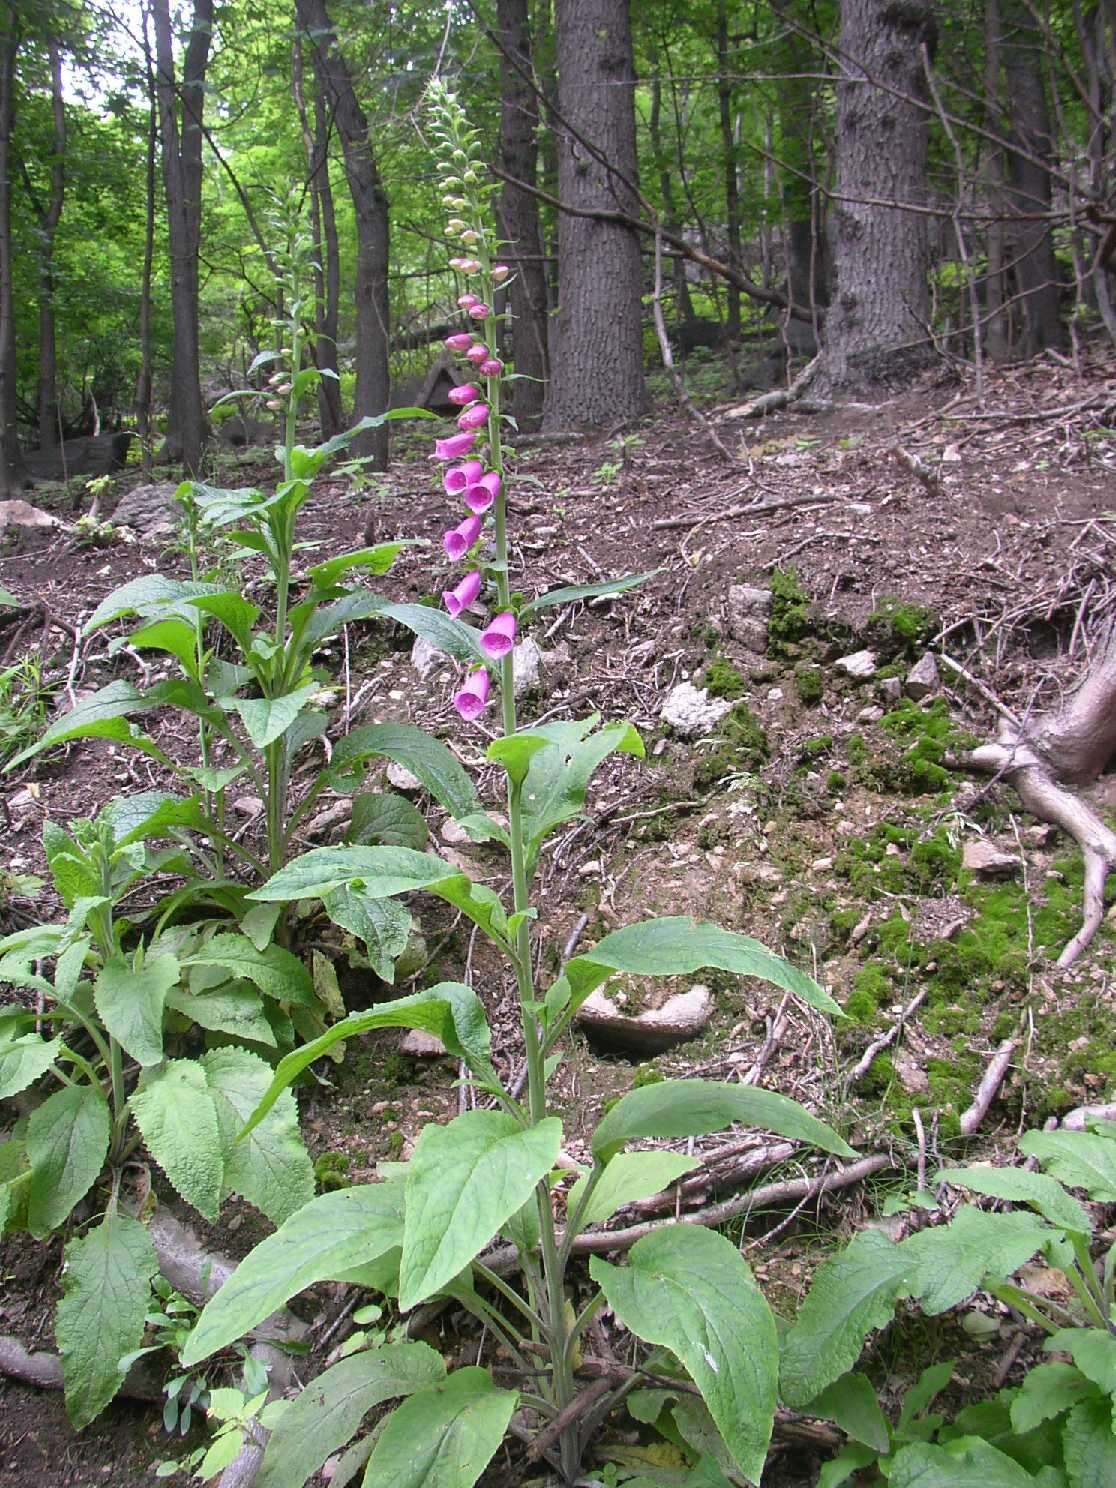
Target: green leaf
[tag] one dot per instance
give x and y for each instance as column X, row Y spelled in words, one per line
column 965, row 1463
column 947, row 1264
column 106, row 1285
column 102, row 716
column 628, row 1177
column 177, row 637
column 235, row 613
column 327, row 1237
column 465, row 1179
column 130, row 1002
column 442, row 631
column 386, row 819
column 427, row 758
column 377, row 560
column 67, row 1143
column 442, row 1437
column 573, row 592
column 851, row 1403
column 1090, row 1446
column 149, row 595
column 691, row 1108
column 515, row 753
column 675, row 946
column 449, row 1010
column 690, row 1290
column 558, row 775
column 330, row 1409
column 1048, row 1390
column 930, row 1383
column 271, row 1167
column 274, row 970
column 23, row 1060
column 267, row 719
column 384, row 925
column 1045, row 1194
column 849, row 1459
column 231, row 1009
column 1093, row 1351
column 853, row 1293
column 1080, row 1159
column 176, row 1114
column 151, row 814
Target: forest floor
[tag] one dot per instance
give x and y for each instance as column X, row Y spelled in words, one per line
column 821, row 815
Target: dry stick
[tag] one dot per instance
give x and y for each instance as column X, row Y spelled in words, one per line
column 1005, row 417
column 885, row 1040
column 716, row 1173
column 986, row 693
column 756, row 509
column 779, row 397
column 770, row 1043
column 920, row 470
column 577, row 1407
column 989, row 1085
column 668, row 356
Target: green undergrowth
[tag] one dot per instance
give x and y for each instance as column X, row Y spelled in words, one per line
column 896, row 626
column 741, row 746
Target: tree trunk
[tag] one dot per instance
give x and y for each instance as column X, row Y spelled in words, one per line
column 371, row 206
column 683, row 304
column 519, row 214
column 49, row 214
column 996, row 338
column 180, row 121
column 804, row 246
column 12, row 470
column 1030, row 243
column 877, row 326
column 597, row 374
column 144, row 379
column 730, row 168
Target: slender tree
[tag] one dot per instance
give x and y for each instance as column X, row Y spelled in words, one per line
column 11, row 460
column 48, row 212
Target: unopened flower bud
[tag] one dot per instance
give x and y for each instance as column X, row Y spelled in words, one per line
column 473, row 418
column 470, row 177
column 464, row 394
column 467, row 301
column 477, row 353
column 470, row 266
column 491, row 368
column 499, row 272
column 274, row 404
column 470, row 238
column 480, row 311
column 454, row 447
column 455, row 226
column 459, row 341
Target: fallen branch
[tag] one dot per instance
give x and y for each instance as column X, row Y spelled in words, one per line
column 756, row 508
column 989, row 1086
column 723, row 1173
column 777, row 398
column 885, row 1040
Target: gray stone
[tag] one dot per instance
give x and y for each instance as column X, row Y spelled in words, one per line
column 527, row 662
column 455, row 834
column 870, row 713
column 682, row 1017
column 748, row 611
column 418, row 1044
column 984, row 857
column 891, row 689
column 860, row 665
column 19, row 521
column 425, row 658
column 923, row 678
column 146, row 508
column 402, row 779
column 691, row 712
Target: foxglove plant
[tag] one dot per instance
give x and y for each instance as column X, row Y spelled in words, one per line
column 423, row 1232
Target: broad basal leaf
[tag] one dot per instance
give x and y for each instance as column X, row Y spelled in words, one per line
column 270, row 1167
column 329, row 1410
column 67, row 1143
column 23, row 1060
column 427, row 758
column 324, row 1239
column 628, row 1177
column 676, row 946
column 231, row 1008
column 558, row 775
column 1089, row 1445
column 102, row 716
column 1081, row 1159
column 949, row 1262
column 691, row 1108
column 444, row 633
column 387, row 819
column 690, row 1290
column 444, row 1436
column 965, row 1463
column 176, row 1114
column 274, row 970
column 1093, row 1350
column 106, row 1289
column 465, row 1180
column 130, row 1001
column 150, row 814
column 574, row 592
column 1043, row 1193
column 852, row 1403
column 1048, row 1390
column 384, row 925
column 149, row 595
column 377, row 560
column 267, row 719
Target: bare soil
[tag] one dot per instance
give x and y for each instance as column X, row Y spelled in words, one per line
column 998, row 519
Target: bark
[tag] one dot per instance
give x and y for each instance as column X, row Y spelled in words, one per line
column 370, row 204
column 144, row 378
column 804, row 246
column 49, row 214
column 180, row 123
column 597, row 372
column 997, row 339
column 12, row 471
column 683, row 305
column 730, row 168
column 518, row 214
column 877, row 326
column 1029, row 155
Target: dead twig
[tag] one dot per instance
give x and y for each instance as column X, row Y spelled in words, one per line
column 755, row 509
column 885, row 1040
column 987, row 1090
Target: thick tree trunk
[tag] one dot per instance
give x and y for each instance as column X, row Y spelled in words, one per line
column 12, row 470
column 996, row 338
column 519, row 213
column 878, row 324
column 180, row 120
column 371, row 206
column 597, row 371
column 804, row 245
column 730, row 168
column 49, row 214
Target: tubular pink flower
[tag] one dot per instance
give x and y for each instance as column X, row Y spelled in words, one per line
column 467, row 301
column 456, row 600
column 471, row 266
column 491, row 368
column 458, row 542
column 477, row 353
column 498, row 637
column 454, row 447
column 479, row 495
column 472, row 699
column 473, row 418
column 499, row 272
column 479, row 311
column 459, row 478
column 466, row 393
column 459, row 264
column 459, row 341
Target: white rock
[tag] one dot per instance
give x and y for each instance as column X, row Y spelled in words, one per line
column 527, row 660
column 248, row 806
column 891, row 689
column 418, row 1044
column 860, row 665
column 425, row 657
column 923, row 678
column 984, row 857
column 402, row 779
column 748, row 610
column 775, row 695
column 455, row 834
column 870, row 713
column 691, row 712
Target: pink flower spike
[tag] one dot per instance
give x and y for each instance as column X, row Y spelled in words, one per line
column 466, row 393
column 478, row 310
column 499, row 272
column 470, row 266
column 481, row 494
column 459, row 264
column 472, row 699
column 454, row 447
column 458, row 542
column 469, row 302
column 462, row 597
column 477, row 353
column 499, row 637
column 473, row 418
column 491, row 368
column 459, row 478
column 460, row 341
